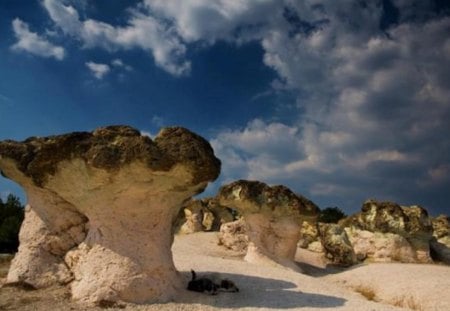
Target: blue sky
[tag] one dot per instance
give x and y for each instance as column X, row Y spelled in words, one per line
column 339, row 100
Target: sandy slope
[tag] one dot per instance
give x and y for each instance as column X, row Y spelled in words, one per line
column 417, row 287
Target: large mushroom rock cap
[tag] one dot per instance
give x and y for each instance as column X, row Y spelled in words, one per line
column 127, row 188
column 251, row 197
column 111, row 148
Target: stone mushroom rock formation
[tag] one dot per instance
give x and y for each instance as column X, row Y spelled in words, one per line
column 101, row 207
column 273, row 216
column 406, row 230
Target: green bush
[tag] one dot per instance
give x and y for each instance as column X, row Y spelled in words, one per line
column 331, row 215
column 11, row 217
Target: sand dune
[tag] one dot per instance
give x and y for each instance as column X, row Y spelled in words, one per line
column 365, row 287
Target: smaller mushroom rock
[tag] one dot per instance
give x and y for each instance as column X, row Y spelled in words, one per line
column 273, row 216
column 123, row 191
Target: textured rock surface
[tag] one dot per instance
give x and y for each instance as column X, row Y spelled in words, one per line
column 337, row 246
column 202, row 215
column 402, row 229
column 273, row 216
column 233, row 235
column 102, row 207
column 380, row 247
column 441, row 243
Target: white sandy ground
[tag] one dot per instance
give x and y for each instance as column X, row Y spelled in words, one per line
column 390, row 286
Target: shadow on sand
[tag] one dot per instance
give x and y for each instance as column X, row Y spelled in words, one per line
column 261, row 293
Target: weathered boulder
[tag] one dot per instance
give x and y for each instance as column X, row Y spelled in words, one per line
column 202, row 215
column 380, row 247
column 233, row 235
column 338, row 248
column 400, row 233
column 102, row 205
column 440, row 244
column 273, row 216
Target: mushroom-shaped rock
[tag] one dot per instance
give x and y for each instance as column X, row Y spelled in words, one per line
column 273, row 216
column 107, row 200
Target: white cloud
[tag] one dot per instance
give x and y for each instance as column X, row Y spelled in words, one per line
column 372, row 103
column 31, row 42
column 373, row 109
column 98, row 70
column 142, row 31
column 118, row 63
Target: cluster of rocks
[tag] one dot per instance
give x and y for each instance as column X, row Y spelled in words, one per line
column 203, row 215
column 104, row 207
column 381, row 232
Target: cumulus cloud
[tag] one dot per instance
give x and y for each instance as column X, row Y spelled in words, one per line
column 31, row 42
column 373, row 106
column 142, row 31
column 98, row 70
column 371, row 88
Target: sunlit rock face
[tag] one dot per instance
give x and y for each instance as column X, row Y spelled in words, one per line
column 101, row 208
column 202, row 215
column 273, row 218
column 386, row 231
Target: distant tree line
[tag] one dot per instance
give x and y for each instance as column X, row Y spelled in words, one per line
column 11, row 217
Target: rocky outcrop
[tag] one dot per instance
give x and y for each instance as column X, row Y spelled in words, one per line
column 440, row 244
column 386, row 231
column 273, row 217
column 338, row 248
column 101, row 209
column 233, row 235
column 202, row 215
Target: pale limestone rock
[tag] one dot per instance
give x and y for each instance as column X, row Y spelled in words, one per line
column 233, row 235
column 202, row 215
column 129, row 187
column 273, row 218
column 380, row 247
column 193, row 218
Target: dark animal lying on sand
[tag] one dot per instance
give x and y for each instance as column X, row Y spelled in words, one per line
column 209, row 286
